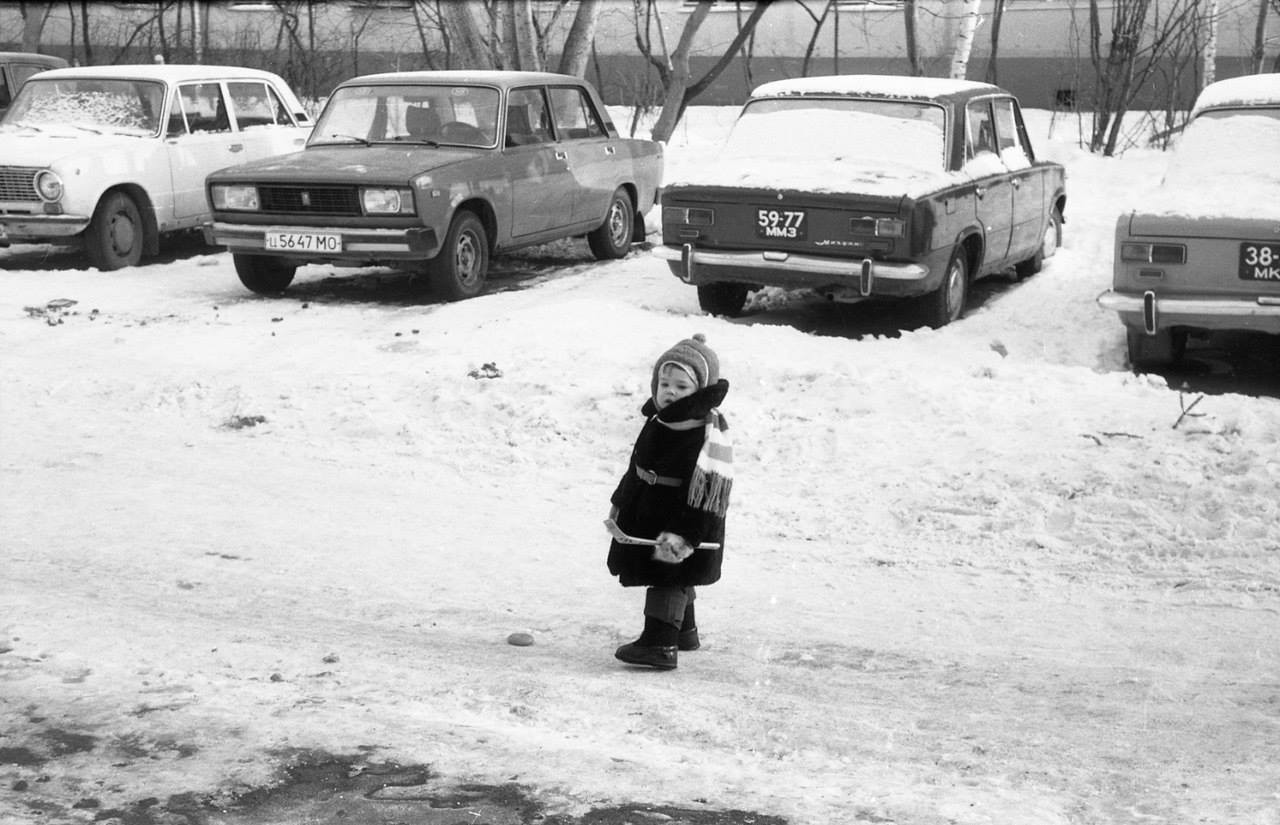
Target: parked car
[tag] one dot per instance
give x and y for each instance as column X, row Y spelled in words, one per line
column 17, row 67
column 437, row 172
column 1203, row 254
column 114, row 156
column 865, row 186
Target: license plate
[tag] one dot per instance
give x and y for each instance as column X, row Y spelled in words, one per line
column 304, row 241
column 1260, row 261
column 786, row 224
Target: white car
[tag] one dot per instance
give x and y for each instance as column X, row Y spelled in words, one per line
column 116, row 156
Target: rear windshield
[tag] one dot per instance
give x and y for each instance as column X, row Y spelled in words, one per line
column 878, row 131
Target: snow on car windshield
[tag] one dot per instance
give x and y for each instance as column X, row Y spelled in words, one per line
column 828, row 144
column 130, row 107
column 1224, row 165
column 465, row 115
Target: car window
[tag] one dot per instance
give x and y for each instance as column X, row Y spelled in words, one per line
column 528, row 120
column 5, row 97
column 22, row 72
column 177, row 124
column 981, row 135
column 109, row 105
column 1008, row 137
column 575, row 117
column 256, row 104
column 205, row 107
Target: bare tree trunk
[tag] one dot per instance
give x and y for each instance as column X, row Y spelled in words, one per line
column 84, row 30
column 1210, row 44
column 964, row 40
column 34, row 16
column 526, row 37
column 577, row 46
column 997, row 17
column 1260, row 38
column 913, row 47
column 677, row 80
column 461, row 23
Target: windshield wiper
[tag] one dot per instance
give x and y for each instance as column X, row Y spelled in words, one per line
column 365, row 141
column 410, row 139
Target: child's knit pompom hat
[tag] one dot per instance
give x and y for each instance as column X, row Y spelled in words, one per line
column 694, row 357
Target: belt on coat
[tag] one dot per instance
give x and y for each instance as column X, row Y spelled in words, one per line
column 651, row 478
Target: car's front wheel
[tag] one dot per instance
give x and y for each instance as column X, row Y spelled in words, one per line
column 612, row 239
column 263, row 274
column 946, row 303
column 727, row 299
column 1163, row 349
column 1048, row 246
column 462, row 266
column 116, row 235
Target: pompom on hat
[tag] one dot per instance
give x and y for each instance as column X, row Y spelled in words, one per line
column 694, row 357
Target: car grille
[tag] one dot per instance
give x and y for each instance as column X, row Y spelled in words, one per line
column 314, row 200
column 18, row 183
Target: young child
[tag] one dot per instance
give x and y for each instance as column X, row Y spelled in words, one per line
column 675, row 490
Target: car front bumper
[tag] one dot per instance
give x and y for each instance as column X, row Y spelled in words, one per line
column 1152, row 312
column 40, row 228
column 858, row 276
column 359, row 244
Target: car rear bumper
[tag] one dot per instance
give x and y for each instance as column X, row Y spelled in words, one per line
column 793, row 271
column 359, row 245
column 1152, row 312
column 36, row 228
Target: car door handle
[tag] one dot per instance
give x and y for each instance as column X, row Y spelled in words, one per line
column 610, row 150
column 562, row 155
column 980, row 191
column 236, row 147
column 1017, row 182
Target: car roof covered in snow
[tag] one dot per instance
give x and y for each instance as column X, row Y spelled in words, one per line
column 165, row 72
column 874, row 85
column 487, row 77
column 1249, row 90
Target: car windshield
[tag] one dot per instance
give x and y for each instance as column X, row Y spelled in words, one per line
column 878, row 132
column 424, row 114
column 107, row 106
column 1240, row 144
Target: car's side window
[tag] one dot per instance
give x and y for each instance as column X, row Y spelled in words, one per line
column 22, row 72
column 528, row 120
column 5, row 96
column 575, row 117
column 205, row 107
column 257, row 104
column 1012, row 150
column 177, row 119
column 981, row 129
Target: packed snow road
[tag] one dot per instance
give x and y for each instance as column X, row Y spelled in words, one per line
column 975, row 575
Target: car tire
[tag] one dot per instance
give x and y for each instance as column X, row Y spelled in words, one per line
column 722, row 298
column 1048, row 247
column 1165, row 348
column 116, row 235
column 946, row 303
column 461, row 268
column 263, row 274
column 612, row 239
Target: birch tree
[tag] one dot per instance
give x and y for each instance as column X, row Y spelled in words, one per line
column 913, row 47
column 1210, row 55
column 964, row 39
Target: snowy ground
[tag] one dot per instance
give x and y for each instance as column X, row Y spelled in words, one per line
column 974, row 575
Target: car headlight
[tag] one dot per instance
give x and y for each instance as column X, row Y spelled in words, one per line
column 48, row 185
column 387, row 201
column 239, row 196
column 1153, row 253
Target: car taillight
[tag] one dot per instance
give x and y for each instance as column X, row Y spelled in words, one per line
column 1153, row 253
column 879, row 227
column 696, row 216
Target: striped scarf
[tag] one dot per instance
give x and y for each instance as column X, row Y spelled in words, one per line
column 713, row 474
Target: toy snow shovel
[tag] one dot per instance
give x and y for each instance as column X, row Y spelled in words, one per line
column 623, row 538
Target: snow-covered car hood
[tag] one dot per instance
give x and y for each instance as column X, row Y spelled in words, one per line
column 352, row 161
column 28, row 147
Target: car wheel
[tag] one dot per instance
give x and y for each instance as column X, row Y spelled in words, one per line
column 612, row 239
column 946, row 303
column 263, row 274
column 462, row 266
column 115, row 236
column 726, row 299
column 1048, row 247
column 1163, row 349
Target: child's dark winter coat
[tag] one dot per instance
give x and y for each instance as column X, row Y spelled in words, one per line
column 653, row 495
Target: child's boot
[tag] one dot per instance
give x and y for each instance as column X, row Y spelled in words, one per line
column 656, row 646
column 689, row 630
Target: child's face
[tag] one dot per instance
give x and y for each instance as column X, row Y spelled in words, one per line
column 673, row 384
